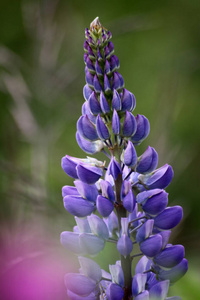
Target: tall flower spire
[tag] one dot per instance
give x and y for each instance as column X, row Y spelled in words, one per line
column 127, row 191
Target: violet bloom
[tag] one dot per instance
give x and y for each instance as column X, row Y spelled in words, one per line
column 127, row 191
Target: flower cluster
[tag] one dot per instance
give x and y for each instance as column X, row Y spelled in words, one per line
column 127, row 194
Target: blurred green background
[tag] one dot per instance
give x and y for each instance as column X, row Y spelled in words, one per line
column 41, row 81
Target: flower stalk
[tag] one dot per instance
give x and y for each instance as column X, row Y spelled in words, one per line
column 128, row 192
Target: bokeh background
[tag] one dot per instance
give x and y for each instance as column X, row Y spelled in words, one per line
column 41, row 81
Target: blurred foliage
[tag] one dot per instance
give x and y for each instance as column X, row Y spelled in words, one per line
column 41, row 81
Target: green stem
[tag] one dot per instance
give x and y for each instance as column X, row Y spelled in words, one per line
column 125, row 261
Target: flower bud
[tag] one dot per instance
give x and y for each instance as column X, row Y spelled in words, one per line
column 153, row 202
column 89, row 78
column 114, row 63
column 104, row 104
column 116, row 101
column 70, row 240
column 78, row 206
column 107, row 68
column 117, row 81
column 144, row 264
column 90, row 65
column 86, row 128
column 69, row 164
column 86, row 111
column 142, row 131
column 97, row 85
column 128, row 101
column 104, row 206
column 91, row 244
column 94, row 105
column 88, row 146
column 89, row 192
column 130, row 155
column 69, row 190
column 129, row 125
column 116, row 126
column 117, row 274
column 148, row 161
column 107, row 87
column 170, row 256
column 98, row 227
column 98, row 69
column 129, row 201
column 87, row 91
column 169, row 218
column 160, row 178
column 174, row 273
column 102, row 130
column 88, row 174
column 79, row 284
column 114, row 168
column 124, row 244
column 152, row 245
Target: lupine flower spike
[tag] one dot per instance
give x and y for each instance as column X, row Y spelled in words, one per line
column 122, row 201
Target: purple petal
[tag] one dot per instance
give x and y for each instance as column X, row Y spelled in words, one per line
column 128, row 101
column 160, row 178
column 143, row 296
column 116, row 82
column 148, row 161
column 107, row 68
column 78, row 206
column 107, row 190
column 86, row 111
column 116, row 101
column 130, row 155
column 104, row 206
column 129, row 125
column 73, row 296
column 90, row 192
column 70, row 240
column 144, row 231
column 114, row 168
column 114, row 292
column 152, row 245
column 104, row 104
column 169, row 218
column 89, row 174
column 90, row 268
column 90, row 65
column 138, row 283
column 170, row 256
column 174, row 273
column 129, row 201
column 91, row 244
column 124, row 245
column 86, row 128
column 159, row 290
column 107, row 86
column 114, row 63
column 97, row 85
column 102, row 130
column 89, row 78
column 116, row 126
column 69, row 190
column 87, row 91
column 154, row 201
column 98, row 69
column 79, row 284
column 94, row 104
column 87, row 146
column 69, row 164
column 98, row 227
column 143, row 129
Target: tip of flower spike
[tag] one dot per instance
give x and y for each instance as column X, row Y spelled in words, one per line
column 95, row 25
